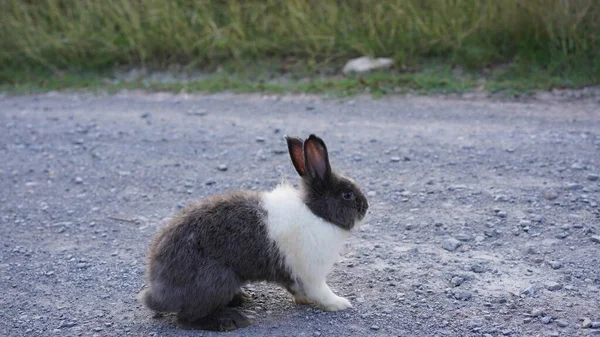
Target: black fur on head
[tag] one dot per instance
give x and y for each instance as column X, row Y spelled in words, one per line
column 329, row 195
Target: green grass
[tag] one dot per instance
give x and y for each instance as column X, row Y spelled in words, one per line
column 434, row 78
column 546, row 43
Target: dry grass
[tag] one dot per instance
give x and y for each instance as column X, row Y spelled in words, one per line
column 91, row 34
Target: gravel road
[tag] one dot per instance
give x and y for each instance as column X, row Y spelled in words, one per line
column 484, row 216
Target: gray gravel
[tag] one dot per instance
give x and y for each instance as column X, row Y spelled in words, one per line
column 511, row 188
column 451, row 244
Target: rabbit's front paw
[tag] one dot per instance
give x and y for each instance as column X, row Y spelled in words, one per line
column 337, row 304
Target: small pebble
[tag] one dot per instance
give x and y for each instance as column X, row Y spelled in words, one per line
column 457, row 280
column 451, row 244
column 78, row 180
column 587, row 323
column 555, row 264
column 66, row 324
column 477, row 268
column 395, row 159
column 574, row 186
column 374, row 327
column 464, row 237
column 553, row 286
column 593, row 177
column 500, row 197
column 537, row 312
column 197, row 112
column 561, row 323
column 551, row 195
column 546, row 320
column 595, row 325
column 529, row 291
column 222, row 167
column 595, row 238
column 525, row 223
column 463, row 295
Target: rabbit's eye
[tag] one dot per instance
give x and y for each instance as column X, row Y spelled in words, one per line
column 348, row 195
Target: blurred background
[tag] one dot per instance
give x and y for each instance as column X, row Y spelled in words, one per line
column 300, row 45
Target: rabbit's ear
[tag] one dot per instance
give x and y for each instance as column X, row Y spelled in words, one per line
column 296, row 153
column 317, row 159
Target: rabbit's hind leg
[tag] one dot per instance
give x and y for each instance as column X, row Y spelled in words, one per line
column 212, row 290
column 227, row 319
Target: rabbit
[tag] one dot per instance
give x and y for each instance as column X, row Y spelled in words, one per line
column 291, row 237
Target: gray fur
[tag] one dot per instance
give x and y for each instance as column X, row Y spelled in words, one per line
column 200, row 259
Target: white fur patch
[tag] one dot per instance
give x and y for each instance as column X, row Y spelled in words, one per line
column 310, row 245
